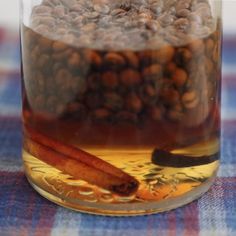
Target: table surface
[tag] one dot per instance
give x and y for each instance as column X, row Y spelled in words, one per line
column 24, row 212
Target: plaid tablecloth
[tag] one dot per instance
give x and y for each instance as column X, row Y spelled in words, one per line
column 24, row 212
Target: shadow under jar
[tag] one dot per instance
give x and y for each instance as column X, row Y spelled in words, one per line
column 121, row 102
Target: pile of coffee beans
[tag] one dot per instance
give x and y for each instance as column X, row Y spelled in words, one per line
column 170, row 80
column 122, row 24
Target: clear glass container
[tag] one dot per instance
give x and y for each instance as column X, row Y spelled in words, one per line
column 121, row 102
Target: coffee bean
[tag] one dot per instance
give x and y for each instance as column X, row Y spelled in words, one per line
column 62, row 76
column 61, row 55
column 131, row 58
column 115, row 59
column 110, row 79
column 94, row 81
column 35, row 53
column 118, row 12
column 74, row 60
column 68, row 3
column 101, row 8
column 42, row 10
column 166, row 19
column 38, row 102
column 130, row 77
column 92, row 57
column 182, row 24
column 133, row 103
column 101, row 114
column 165, row 54
column 113, row 101
column 154, row 70
column 148, row 94
column 45, row 44
column 183, row 56
column 59, row 11
column 43, row 61
column 157, row 6
column 42, row 29
column 125, row 4
column 190, row 99
column 156, row 113
column 175, row 114
column 91, row 15
column 197, row 47
column 180, row 77
column 182, row 4
column 170, row 96
column 170, row 68
column 58, row 46
column 75, row 110
column 196, row 116
column 78, row 85
column 153, row 25
column 183, row 13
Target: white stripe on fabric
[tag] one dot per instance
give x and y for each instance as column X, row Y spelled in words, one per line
column 66, row 222
column 212, row 214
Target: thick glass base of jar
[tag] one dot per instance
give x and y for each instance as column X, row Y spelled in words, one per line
column 80, row 196
column 127, row 209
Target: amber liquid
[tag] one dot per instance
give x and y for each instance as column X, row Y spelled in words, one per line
column 125, row 141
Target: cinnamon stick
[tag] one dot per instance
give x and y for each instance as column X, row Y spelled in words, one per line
column 76, row 153
column 80, row 170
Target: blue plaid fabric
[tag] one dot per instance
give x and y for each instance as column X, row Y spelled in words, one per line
column 24, row 212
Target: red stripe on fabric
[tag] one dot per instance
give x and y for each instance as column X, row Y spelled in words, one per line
column 229, row 81
column 191, row 220
column 172, row 223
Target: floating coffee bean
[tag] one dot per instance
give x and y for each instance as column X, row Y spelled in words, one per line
column 110, row 79
column 165, row 54
column 101, row 114
column 152, row 72
column 133, row 103
column 131, row 58
column 59, row 46
column 92, row 57
column 115, row 59
column 170, row 96
column 190, row 99
column 156, row 113
column 113, row 101
column 74, row 60
column 176, row 113
column 43, row 61
column 197, row 47
column 179, row 77
column 183, row 56
column 148, row 94
column 130, row 77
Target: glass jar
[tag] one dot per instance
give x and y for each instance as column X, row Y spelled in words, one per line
column 121, row 102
